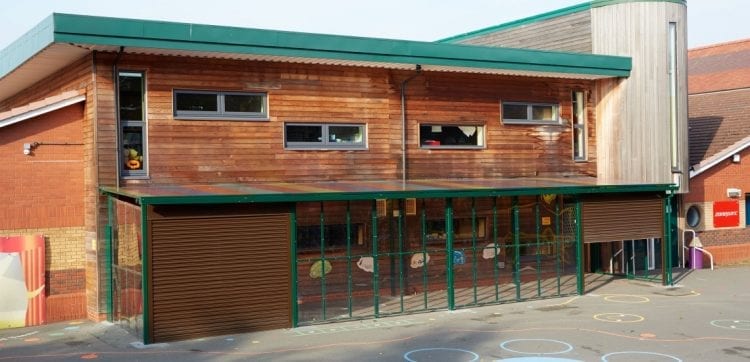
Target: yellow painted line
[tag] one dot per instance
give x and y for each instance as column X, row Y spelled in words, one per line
column 622, row 298
column 619, row 318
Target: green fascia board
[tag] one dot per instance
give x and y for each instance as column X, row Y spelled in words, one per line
column 359, row 196
column 79, row 29
column 545, row 16
column 28, row 45
column 520, row 22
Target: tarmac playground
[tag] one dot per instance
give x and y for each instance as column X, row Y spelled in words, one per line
column 705, row 316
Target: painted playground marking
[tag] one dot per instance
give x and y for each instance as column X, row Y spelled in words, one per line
column 536, row 359
column 618, row 317
column 605, row 358
column 737, row 324
column 407, row 355
column 567, row 347
column 626, row 298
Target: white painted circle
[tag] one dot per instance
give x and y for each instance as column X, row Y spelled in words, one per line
column 606, row 356
column 474, row 356
column 536, row 359
column 736, row 324
column 567, row 346
column 626, row 298
column 619, row 318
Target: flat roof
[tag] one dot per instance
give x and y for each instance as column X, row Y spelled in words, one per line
column 61, row 39
column 369, row 190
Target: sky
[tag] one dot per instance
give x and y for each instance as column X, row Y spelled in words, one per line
column 709, row 21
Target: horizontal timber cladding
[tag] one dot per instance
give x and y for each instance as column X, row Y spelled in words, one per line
column 185, row 151
column 218, row 270
column 622, row 218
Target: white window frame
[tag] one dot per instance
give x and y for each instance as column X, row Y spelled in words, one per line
column 221, row 113
column 326, row 143
column 578, row 121
column 529, row 113
column 481, row 142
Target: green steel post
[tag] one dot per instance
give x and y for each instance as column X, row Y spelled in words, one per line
column 293, row 251
column 516, row 247
column 423, row 217
column 375, row 269
column 323, row 260
column 146, row 276
column 474, row 247
column 349, row 257
column 537, row 219
column 558, row 243
column 495, row 267
column 449, row 251
column 579, row 248
column 109, row 256
column 400, row 254
column 667, row 244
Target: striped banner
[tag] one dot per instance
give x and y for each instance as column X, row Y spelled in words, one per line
column 30, row 249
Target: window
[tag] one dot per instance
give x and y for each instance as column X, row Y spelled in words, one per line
column 220, row 105
column 673, row 127
column 324, row 135
column 131, row 115
column 442, row 136
column 530, row 113
column 579, row 127
column 308, row 236
column 462, row 230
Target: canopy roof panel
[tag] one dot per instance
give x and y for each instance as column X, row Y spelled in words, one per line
column 369, row 190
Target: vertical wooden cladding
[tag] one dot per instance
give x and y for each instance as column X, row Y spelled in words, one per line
column 219, row 270
column 633, row 113
column 570, row 33
column 624, row 218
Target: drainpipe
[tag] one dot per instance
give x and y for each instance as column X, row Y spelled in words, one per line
column 115, row 81
column 403, row 121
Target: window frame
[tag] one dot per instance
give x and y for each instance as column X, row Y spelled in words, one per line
column 221, row 113
column 126, row 173
column 481, row 137
column 529, row 113
column 325, row 143
column 579, row 123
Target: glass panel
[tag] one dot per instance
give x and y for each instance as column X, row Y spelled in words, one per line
column 247, row 103
column 543, row 113
column 304, row 133
column 433, row 135
column 515, row 111
column 197, row 102
column 132, row 144
column 126, row 269
column 131, row 97
column 346, row 134
column 578, row 143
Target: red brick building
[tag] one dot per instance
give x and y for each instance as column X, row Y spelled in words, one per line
column 717, row 205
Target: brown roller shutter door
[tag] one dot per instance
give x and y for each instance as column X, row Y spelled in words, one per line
column 609, row 219
column 214, row 275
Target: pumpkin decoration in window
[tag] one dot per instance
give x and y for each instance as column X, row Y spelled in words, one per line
column 134, row 160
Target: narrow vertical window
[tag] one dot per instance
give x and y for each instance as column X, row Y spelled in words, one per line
column 673, row 139
column 132, row 129
column 579, row 127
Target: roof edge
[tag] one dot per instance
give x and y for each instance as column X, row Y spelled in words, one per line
column 28, row 45
column 39, row 108
column 722, row 155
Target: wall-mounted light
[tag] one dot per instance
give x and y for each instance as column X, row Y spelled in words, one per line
column 736, row 158
column 733, row 192
column 29, row 147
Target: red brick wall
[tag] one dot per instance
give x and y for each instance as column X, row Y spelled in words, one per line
column 712, row 185
column 44, row 189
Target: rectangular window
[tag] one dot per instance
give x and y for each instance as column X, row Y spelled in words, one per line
column 462, row 229
column 324, row 135
column 220, row 105
column 530, row 113
column 308, row 236
column 579, row 127
column 132, row 120
column 673, row 129
column 450, row 136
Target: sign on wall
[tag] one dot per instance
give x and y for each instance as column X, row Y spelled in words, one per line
column 22, row 300
column 726, row 214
